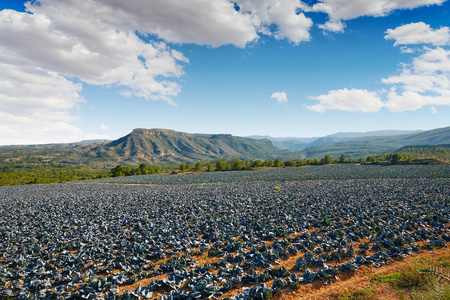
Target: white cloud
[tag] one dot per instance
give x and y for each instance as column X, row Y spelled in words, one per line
column 41, row 52
column 35, row 107
column 333, row 26
column 433, row 110
column 21, row 130
column 341, row 10
column 418, row 33
column 281, row 97
column 405, row 49
column 101, row 42
column 103, row 127
column 348, row 100
column 423, row 82
column 91, row 51
column 291, row 24
column 202, row 22
column 426, row 81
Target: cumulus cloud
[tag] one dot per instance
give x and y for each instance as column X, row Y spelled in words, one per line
column 290, row 23
column 341, row 10
column 418, row 33
column 426, row 81
column 423, row 82
column 42, row 51
column 281, row 97
column 121, row 44
column 348, row 100
column 103, row 127
column 127, row 44
column 39, row 129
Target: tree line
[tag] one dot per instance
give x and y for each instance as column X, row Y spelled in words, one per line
column 238, row 164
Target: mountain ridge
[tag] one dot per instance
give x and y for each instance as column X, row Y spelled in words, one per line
column 166, row 146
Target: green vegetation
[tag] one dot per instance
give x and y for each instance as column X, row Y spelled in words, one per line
column 142, row 169
column 32, row 170
column 360, row 294
column 67, row 162
column 413, row 282
column 19, row 174
column 440, row 152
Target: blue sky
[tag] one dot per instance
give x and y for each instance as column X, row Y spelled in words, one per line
column 78, row 70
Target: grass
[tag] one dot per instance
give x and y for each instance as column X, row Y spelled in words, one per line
column 409, row 281
column 436, row 291
column 390, row 278
column 360, row 294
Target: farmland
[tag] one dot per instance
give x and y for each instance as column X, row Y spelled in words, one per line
column 345, row 171
column 220, row 234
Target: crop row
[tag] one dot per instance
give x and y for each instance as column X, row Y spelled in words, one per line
column 341, row 171
column 239, row 240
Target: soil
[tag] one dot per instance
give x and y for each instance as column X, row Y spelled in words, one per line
column 359, row 280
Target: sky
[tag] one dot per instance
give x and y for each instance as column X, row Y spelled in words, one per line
column 76, row 70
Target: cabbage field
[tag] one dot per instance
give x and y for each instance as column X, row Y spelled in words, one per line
column 340, row 171
column 252, row 236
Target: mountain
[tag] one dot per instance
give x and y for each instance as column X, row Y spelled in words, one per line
column 55, row 145
column 372, row 145
column 286, row 143
column 429, row 137
column 169, row 146
column 163, row 146
column 298, row 143
column 353, row 135
column 152, row 146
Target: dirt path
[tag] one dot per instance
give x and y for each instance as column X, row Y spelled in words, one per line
column 360, row 280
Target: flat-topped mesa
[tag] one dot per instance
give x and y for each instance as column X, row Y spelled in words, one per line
column 161, row 131
column 156, row 131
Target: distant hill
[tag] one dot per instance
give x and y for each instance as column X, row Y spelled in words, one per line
column 299, row 143
column 163, row 145
column 288, row 143
column 152, row 146
column 55, row 145
column 353, row 135
column 429, row 137
column 365, row 146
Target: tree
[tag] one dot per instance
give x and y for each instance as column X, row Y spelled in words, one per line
column 277, row 163
column 342, row 158
column 144, row 169
column 267, row 163
column 327, row 160
column 395, row 159
column 182, row 168
column 188, row 167
column 117, row 171
column 237, row 165
column 198, row 166
column 209, row 168
column 289, row 163
column 220, row 166
column 256, row 163
column 128, row 171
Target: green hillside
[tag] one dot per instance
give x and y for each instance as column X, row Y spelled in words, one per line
column 169, row 146
column 365, row 146
column 151, row 146
column 430, row 137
